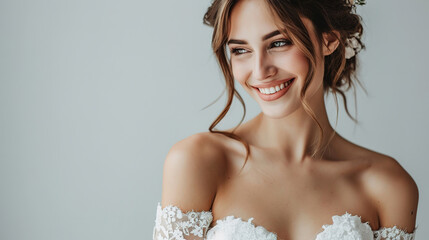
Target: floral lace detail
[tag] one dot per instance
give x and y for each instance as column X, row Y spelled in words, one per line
column 346, row 227
column 236, row 229
column 172, row 224
column 394, row 233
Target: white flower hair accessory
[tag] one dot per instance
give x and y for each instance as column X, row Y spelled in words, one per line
column 352, row 46
column 357, row 2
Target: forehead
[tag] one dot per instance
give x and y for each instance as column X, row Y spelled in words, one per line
column 251, row 17
column 254, row 18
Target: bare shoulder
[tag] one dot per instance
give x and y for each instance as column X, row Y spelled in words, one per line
column 192, row 171
column 393, row 191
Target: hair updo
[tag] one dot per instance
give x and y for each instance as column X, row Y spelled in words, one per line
column 326, row 16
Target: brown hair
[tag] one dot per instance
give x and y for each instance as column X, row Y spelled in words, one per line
column 326, row 16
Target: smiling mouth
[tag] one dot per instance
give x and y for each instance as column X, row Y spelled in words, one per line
column 274, row 89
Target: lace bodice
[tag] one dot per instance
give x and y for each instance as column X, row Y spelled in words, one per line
column 173, row 224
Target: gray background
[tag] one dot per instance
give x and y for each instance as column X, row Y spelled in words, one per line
column 94, row 93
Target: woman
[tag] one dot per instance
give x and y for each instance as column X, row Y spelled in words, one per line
column 285, row 174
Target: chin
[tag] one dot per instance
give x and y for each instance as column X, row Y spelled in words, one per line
column 278, row 112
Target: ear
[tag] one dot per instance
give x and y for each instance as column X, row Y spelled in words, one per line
column 330, row 42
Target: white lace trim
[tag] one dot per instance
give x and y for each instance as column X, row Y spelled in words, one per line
column 394, row 233
column 351, row 227
column 235, row 228
column 172, row 224
column 346, row 227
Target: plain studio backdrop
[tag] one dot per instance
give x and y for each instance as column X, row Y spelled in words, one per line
column 93, row 93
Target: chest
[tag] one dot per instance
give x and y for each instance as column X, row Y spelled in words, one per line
column 293, row 203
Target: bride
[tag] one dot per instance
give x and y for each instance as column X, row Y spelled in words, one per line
column 286, row 173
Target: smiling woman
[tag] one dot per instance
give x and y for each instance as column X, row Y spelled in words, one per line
column 296, row 178
column 288, row 45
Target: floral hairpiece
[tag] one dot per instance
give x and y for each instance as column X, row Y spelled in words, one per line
column 357, row 2
column 352, row 45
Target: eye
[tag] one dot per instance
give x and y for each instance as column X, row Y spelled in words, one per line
column 238, row 51
column 281, row 43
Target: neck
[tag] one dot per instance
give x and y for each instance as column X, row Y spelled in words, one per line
column 295, row 135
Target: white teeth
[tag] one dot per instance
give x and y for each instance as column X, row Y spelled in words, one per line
column 275, row 89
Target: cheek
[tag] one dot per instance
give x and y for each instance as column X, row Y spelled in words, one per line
column 293, row 62
column 241, row 70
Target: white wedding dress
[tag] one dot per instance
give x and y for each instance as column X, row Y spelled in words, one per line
column 173, row 224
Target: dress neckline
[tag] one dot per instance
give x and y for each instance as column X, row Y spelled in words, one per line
column 338, row 221
column 335, row 219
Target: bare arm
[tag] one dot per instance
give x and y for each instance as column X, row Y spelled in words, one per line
column 395, row 193
column 192, row 170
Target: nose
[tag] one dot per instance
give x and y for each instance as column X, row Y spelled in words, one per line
column 264, row 67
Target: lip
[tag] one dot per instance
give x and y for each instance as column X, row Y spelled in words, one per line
column 274, row 96
column 272, row 84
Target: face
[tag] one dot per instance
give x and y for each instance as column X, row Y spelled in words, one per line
column 263, row 58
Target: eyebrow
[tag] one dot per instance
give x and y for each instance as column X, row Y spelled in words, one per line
column 265, row 37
